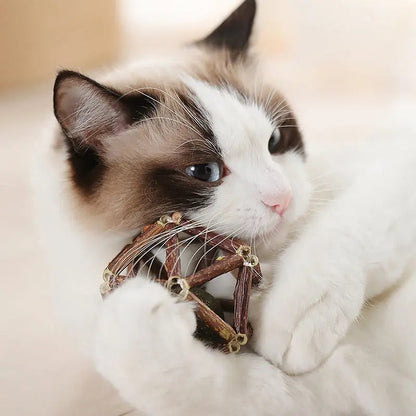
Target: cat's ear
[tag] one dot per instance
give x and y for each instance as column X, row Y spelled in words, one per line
column 234, row 32
column 88, row 111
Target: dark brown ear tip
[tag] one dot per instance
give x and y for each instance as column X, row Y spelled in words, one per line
column 68, row 75
column 67, row 78
column 249, row 4
column 247, row 8
column 235, row 31
column 61, row 77
column 65, row 74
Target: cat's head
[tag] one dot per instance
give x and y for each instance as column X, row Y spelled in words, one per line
column 200, row 133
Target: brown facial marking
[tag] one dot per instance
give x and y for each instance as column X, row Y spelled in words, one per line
column 88, row 112
column 137, row 175
column 87, row 169
column 290, row 137
column 238, row 76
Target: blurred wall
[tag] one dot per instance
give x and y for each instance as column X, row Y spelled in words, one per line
column 333, row 45
column 39, row 36
column 342, row 44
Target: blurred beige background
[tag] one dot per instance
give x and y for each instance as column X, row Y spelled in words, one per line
column 349, row 68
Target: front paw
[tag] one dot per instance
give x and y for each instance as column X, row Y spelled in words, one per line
column 142, row 325
column 302, row 321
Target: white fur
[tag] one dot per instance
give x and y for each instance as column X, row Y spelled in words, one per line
column 348, row 237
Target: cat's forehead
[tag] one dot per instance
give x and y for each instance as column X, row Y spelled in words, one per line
column 209, row 99
column 197, row 120
column 238, row 121
column 201, row 115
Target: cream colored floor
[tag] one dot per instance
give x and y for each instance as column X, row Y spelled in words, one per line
column 41, row 370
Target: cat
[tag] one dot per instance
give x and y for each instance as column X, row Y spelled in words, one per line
column 335, row 230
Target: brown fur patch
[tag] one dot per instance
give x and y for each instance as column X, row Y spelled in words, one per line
column 145, row 165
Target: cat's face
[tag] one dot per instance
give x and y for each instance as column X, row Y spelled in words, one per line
column 201, row 135
column 263, row 181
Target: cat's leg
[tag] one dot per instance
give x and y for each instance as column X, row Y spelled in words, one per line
column 309, row 307
column 356, row 248
column 145, row 347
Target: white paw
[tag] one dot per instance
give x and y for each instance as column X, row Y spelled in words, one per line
column 302, row 321
column 142, row 325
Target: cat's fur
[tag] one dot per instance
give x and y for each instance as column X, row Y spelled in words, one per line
column 334, row 327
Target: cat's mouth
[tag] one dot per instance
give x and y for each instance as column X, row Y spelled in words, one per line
column 247, row 224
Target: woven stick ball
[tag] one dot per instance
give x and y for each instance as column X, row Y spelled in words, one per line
column 212, row 327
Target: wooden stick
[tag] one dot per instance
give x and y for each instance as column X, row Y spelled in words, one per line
column 219, row 267
column 241, row 299
column 130, row 251
column 172, row 260
column 214, row 239
column 224, row 330
column 241, row 258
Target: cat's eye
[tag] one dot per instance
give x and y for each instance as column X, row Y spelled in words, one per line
column 207, row 172
column 274, row 142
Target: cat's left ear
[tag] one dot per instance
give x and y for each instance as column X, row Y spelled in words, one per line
column 233, row 34
column 88, row 112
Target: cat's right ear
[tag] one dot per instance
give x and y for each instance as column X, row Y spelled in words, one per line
column 88, row 111
column 234, row 33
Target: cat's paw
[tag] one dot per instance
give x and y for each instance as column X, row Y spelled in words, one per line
column 142, row 325
column 302, row 320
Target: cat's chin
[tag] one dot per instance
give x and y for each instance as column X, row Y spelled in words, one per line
column 274, row 233
column 264, row 230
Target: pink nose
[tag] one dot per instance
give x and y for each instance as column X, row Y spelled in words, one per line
column 278, row 202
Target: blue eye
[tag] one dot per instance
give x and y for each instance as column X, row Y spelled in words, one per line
column 207, row 172
column 274, row 142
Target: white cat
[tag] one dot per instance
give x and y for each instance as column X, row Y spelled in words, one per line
column 334, row 327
